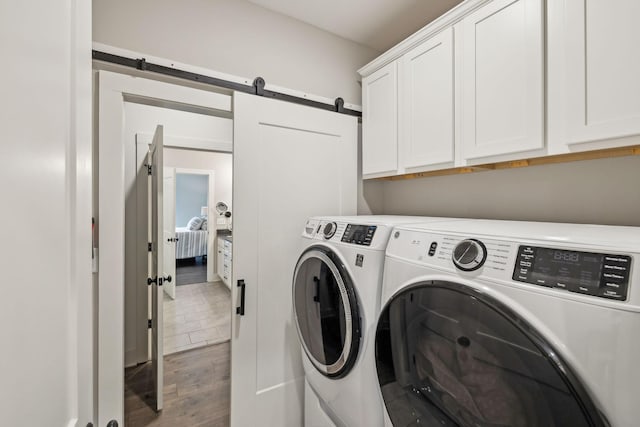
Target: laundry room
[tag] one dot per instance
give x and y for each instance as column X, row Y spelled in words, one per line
column 325, row 214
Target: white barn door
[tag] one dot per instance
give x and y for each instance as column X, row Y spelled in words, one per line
column 290, row 162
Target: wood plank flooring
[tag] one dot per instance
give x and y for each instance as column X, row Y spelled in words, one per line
column 191, row 270
column 196, row 390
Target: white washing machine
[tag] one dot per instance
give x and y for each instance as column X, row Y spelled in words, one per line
column 336, row 298
column 497, row 323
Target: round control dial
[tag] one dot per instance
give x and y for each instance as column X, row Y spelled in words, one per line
column 469, row 255
column 329, row 230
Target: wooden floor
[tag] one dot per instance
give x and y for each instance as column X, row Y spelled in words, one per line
column 196, row 390
column 191, row 270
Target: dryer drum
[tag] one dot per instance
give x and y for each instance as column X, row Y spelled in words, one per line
column 326, row 311
column 449, row 355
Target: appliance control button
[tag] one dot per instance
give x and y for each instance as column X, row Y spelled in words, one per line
column 469, row 255
column 329, row 230
column 613, row 294
column 614, row 277
column 432, row 248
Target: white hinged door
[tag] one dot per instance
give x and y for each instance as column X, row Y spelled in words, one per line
column 156, row 270
column 169, row 229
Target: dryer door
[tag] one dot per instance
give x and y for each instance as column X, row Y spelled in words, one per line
column 326, row 311
column 449, row 355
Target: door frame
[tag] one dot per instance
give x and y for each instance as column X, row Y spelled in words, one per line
column 211, row 238
column 113, row 91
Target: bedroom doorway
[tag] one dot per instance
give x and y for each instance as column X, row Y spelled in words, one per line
column 192, row 241
column 197, row 305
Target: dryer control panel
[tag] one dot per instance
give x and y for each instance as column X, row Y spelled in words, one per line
column 597, row 274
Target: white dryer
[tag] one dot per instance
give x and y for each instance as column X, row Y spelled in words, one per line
column 498, row 323
column 336, row 298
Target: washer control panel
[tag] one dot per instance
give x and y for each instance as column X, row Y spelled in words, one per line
column 598, row 274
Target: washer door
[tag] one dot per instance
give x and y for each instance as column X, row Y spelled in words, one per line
column 448, row 355
column 326, row 311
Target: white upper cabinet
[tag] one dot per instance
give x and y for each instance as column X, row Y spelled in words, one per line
column 426, row 104
column 500, row 62
column 380, row 122
column 600, row 76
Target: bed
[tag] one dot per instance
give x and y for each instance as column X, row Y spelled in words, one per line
column 191, row 243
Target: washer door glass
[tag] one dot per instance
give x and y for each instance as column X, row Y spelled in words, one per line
column 448, row 355
column 326, row 311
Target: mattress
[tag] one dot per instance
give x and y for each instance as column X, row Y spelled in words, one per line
column 191, row 243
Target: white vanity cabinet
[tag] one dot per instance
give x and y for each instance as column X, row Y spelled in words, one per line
column 594, row 72
column 426, row 104
column 224, row 260
column 380, row 122
column 500, row 64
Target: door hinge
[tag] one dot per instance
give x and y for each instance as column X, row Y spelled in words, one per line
column 149, row 170
column 149, row 323
column 150, row 247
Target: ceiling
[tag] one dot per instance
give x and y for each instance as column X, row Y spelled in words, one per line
column 379, row 24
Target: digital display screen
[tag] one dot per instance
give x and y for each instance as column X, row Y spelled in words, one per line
column 359, row 234
column 566, row 269
column 356, row 232
column 601, row 275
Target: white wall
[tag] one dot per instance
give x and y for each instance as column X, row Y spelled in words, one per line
column 235, row 37
column 45, row 362
column 603, row 191
column 143, row 119
column 220, row 163
column 192, row 194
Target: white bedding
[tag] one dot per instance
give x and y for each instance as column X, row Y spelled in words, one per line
column 191, row 243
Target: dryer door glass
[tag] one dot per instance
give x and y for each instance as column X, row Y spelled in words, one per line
column 448, row 355
column 326, row 312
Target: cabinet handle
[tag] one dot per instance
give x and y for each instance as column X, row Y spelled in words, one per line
column 240, row 310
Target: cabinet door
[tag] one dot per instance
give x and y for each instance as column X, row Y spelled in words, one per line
column 380, row 121
column 220, row 258
column 426, row 114
column 501, row 82
column 602, row 69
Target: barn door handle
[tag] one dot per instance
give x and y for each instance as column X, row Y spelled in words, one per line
column 240, row 310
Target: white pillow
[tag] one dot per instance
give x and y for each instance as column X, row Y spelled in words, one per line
column 194, row 223
column 204, row 225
